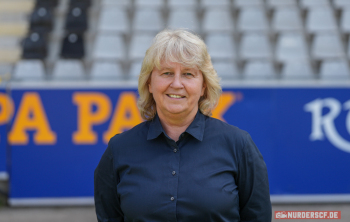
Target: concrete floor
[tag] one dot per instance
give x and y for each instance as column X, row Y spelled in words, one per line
column 87, row 214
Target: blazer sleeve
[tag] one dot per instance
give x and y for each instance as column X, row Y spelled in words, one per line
column 107, row 204
column 253, row 185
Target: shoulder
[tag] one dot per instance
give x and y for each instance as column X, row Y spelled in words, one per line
column 218, row 127
column 233, row 138
column 139, row 131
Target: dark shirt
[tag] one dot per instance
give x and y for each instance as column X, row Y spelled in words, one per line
column 214, row 172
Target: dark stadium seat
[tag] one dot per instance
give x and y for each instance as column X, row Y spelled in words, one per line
column 35, row 46
column 76, row 20
column 41, row 19
column 46, row 3
column 73, row 46
column 80, row 3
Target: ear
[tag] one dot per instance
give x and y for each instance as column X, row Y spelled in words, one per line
column 203, row 88
column 149, row 84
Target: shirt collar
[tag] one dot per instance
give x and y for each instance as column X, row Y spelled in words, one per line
column 196, row 128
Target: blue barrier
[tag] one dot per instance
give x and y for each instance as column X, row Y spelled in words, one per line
column 58, row 136
column 3, row 141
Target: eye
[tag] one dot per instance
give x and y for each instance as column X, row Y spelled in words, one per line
column 166, row 73
column 188, row 74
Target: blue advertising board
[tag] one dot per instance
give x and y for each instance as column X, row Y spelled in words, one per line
column 57, row 137
column 5, row 110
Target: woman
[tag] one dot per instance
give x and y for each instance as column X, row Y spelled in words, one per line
column 181, row 164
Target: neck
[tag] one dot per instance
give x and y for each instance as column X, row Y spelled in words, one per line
column 175, row 124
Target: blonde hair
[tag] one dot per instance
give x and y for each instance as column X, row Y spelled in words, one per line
column 187, row 49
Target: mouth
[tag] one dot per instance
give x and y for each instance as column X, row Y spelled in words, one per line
column 175, row 96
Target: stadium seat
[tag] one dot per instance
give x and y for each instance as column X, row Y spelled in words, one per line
column 341, row 3
column 29, row 70
column 10, row 50
column 282, row 3
column 113, row 19
column 13, row 24
column 68, row 70
column 109, row 47
column 259, row 70
column 113, row 3
column 320, row 19
column 80, row 3
column 297, row 70
column 102, row 71
column 15, row 6
column 41, row 19
column 314, row 3
column 287, row 19
column 76, row 20
column 216, row 3
column 252, row 19
column 149, row 3
column 73, row 46
column 183, row 18
column 255, row 46
column 221, row 46
column 138, row 46
column 46, row 3
column 248, row 3
column 135, row 70
column 291, row 46
column 226, row 70
column 188, row 4
column 35, row 46
column 327, row 46
column 334, row 70
column 148, row 20
column 345, row 20
column 218, row 19
column 5, row 71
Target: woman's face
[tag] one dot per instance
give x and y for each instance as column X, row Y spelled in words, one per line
column 176, row 89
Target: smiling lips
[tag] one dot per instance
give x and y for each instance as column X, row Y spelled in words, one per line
column 175, row 96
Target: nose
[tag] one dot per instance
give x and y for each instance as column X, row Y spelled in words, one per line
column 177, row 81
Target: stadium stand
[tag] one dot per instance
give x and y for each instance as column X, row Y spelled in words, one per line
column 294, row 39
